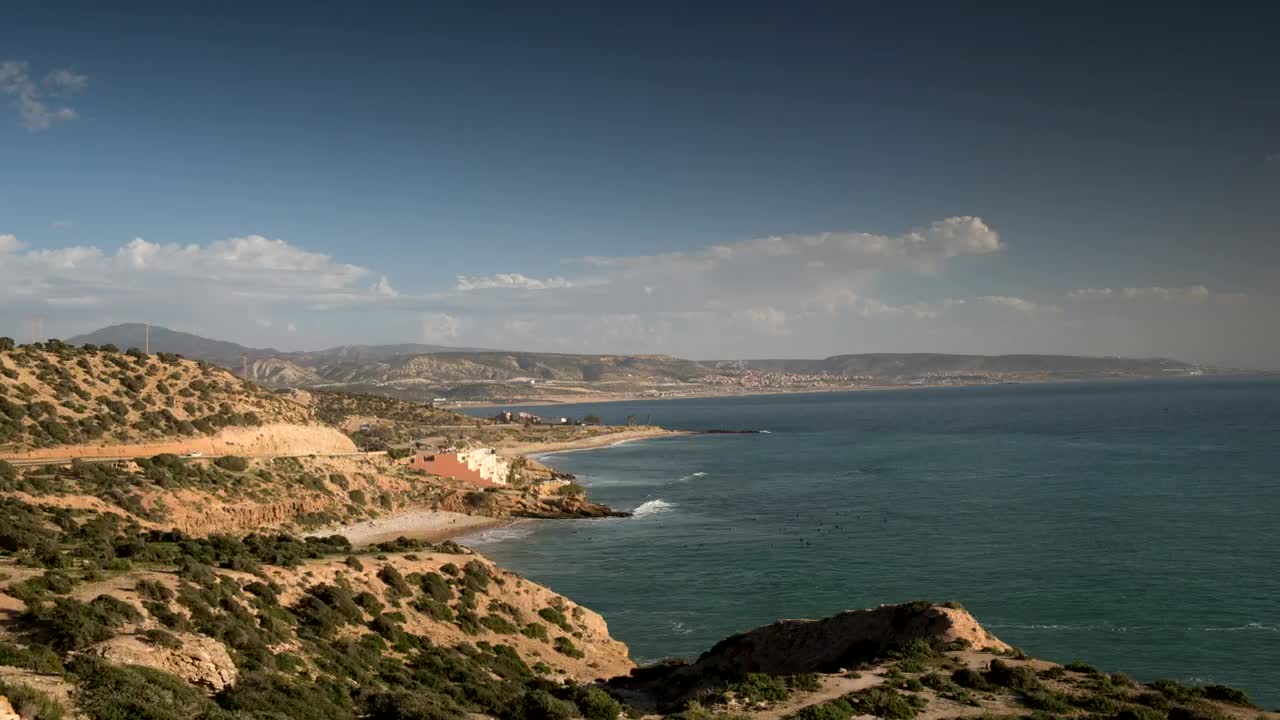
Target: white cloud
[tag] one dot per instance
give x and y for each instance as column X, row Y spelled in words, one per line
column 383, row 288
column 247, row 271
column 440, row 327
column 10, row 244
column 32, row 97
column 1191, row 294
column 510, row 281
column 1019, row 305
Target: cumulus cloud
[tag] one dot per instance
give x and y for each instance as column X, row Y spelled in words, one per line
column 509, row 281
column 1191, row 294
column 32, row 97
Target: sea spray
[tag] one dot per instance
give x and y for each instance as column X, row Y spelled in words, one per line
column 652, row 507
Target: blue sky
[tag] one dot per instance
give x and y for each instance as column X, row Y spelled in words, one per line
column 313, row 175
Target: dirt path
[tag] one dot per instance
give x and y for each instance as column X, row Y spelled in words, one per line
column 833, row 686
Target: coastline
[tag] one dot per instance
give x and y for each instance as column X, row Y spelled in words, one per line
column 588, row 443
column 615, row 397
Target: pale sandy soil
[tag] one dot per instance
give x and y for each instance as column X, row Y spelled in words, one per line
column 429, row 525
column 595, row 441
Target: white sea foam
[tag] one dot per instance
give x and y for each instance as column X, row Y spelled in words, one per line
column 652, row 507
column 515, row 531
column 1250, row 627
column 691, row 476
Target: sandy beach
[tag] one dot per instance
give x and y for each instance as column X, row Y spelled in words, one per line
column 429, row 525
column 586, row 443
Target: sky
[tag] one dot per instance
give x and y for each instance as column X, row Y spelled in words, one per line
column 719, row 181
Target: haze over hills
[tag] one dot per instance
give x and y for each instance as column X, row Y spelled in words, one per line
column 425, row 372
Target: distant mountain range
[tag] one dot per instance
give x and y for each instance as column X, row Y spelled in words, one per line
column 417, row 371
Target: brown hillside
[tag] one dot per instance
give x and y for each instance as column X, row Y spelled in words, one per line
column 54, row 394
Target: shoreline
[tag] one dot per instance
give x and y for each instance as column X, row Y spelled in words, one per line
column 594, row 442
column 609, row 398
column 440, row 525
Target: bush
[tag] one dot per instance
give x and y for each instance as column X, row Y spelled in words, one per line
column 541, row 705
column 972, row 679
column 232, row 463
column 436, row 587
column 392, row 577
column 72, row 625
column 111, row 692
column 884, row 702
column 1018, row 677
column 162, row 638
column 36, row 658
column 153, row 590
column 499, row 624
column 1227, row 693
column 565, row 646
column 595, row 704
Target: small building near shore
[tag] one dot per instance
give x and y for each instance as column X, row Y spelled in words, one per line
column 480, row 466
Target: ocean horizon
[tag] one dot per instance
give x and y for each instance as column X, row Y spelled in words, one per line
column 1128, row 524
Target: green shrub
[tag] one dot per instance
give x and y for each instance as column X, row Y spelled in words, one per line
column 535, row 631
column 758, row 687
column 594, row 703
column 37, row 658
column 72, row 625
column 1017, row 677
column 565, row 646
column 232, row 463
column 555, row 617
column 392, row 577
column 1047, row 701
column 499, row 624
column 541, row 705
column 436, row 587
column 153, row 590
column 1188, row 712
column 884, row 702
column 834, row 710
column 972, row 679
column 1137, row 712
column 120, row 692
column 161, row 638
column 1227, row 693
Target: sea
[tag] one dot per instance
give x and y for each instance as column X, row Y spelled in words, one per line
column 1134, row 525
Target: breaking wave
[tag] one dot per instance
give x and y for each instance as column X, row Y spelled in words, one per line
column 652, row 507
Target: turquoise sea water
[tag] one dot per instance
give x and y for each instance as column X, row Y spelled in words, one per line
column 1134, row 525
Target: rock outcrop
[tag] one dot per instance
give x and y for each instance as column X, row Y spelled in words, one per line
column 829, row 645
column 201, row 660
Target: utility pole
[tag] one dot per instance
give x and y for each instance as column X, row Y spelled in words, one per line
column 147, row 340
column 244, row 362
